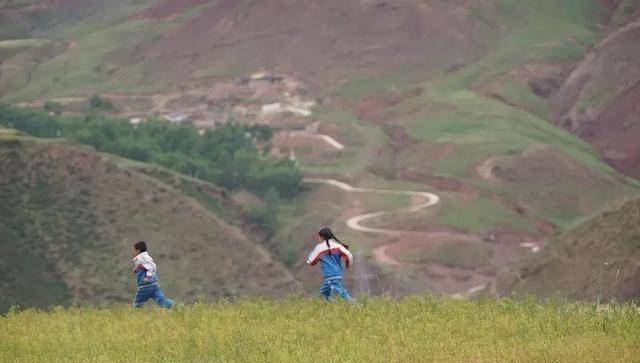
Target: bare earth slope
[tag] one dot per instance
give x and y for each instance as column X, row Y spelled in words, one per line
column 153, row 45
column 69, row 218
column 600, row 258
column 600, row 100
column 318, row 40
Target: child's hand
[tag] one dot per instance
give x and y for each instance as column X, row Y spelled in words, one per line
column 146, row 279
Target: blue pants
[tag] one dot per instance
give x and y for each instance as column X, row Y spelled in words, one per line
column 154, row 292
column 333, row 285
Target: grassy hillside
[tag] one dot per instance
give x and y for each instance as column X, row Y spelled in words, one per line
column 86, row 34
column 69, row 216
column 144, row 46
column 478, row 135
column 450, row 97
column 417, row 329
column 598, row 258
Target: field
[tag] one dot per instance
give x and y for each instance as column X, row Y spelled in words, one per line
column 414, row 329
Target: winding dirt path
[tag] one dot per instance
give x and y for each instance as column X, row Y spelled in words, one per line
column 308, row 135
column 356, row 223
column 159, row 100
column 485, row 169
column 380, row 253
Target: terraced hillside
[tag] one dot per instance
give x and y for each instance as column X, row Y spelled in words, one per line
column 69, row 216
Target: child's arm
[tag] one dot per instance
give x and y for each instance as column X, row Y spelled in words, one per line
column 348, row 257
column 150, row 267
column 148, row 273
column 314, row 256
column 146, row 265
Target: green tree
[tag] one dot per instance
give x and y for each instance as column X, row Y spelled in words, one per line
column 100, row 103
column 54, row 107
column 266, row 214
column 227, row 155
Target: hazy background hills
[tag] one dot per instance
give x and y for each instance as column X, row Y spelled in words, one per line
column 523, row 116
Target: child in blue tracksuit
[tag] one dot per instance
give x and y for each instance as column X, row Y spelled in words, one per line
column 330, row 252
column 147, row 278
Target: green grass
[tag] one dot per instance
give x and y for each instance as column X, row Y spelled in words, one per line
column 415, row 329
column 479, row 215
column 523, row 96
column 399, row 78
column 461, row 255
column 384, row 202
column 482, row 127
column 93, row 22
column 361, row 138
column 222, row 70
column 548, row 30
column 23, row 43
column 468, row 256
column 82, row 69
column 97, row 59
column 625, row 9
column 486, row 126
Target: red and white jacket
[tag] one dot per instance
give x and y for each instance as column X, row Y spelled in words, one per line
column 330, row 256
column 144, row 262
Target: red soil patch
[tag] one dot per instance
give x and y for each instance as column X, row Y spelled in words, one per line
column 599, row 100
column 374, row 108
column 168, row 8
column 371, row 109
column 616, row 132
column 320, row 42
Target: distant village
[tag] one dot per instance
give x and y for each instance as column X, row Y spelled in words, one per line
column 259, row 97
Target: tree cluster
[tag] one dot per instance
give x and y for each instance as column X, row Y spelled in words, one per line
column 230, row 155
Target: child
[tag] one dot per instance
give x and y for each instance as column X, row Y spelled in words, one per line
column 146, row 278
column 330, row 252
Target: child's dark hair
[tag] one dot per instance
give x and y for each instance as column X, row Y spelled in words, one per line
column 327, row 234
column 140, row 246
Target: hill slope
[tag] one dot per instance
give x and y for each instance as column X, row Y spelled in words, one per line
column 151, row 45
column 69, row 216
column 454, row 97
column 599, row 98
column 599, row 258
